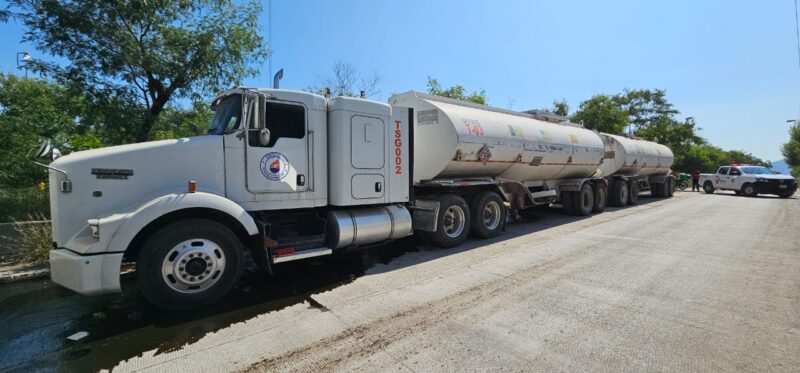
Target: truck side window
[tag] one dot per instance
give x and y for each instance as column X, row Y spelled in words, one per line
column 723, row 171
column 282, row 120
column 734, row 172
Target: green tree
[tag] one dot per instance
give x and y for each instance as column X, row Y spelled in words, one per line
column 791, row 150
column 561, row 107
column 32, row 109
column 179, row 122
column 602, row 113
column 457, row 92
column 144, row 52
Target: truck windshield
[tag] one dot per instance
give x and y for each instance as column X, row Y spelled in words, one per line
column 755, row 170
column 226, row 115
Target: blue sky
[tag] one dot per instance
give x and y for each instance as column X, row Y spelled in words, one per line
column 732, row 65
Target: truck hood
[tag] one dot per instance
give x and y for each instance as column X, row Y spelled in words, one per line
column 117, row 179
column 771, row 176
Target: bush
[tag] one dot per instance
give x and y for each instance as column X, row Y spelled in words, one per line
column 32, row 240
column 22, row 203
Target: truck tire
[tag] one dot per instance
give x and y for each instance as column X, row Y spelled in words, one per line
column 452, row 224
column 189, row 263
column 488, row 213
column 567, row 199
column 749, row 190
column 633, row 193
column 664, row 190
column 619, row 193
column 671, row 188
column 655, row 190
column 583, row 200
column 600, row 197
column 708, row 187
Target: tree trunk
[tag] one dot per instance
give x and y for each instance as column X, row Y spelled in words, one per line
column 150, row 119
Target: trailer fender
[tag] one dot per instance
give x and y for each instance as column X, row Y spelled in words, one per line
column 136, row 220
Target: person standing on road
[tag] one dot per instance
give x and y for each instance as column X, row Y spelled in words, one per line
column 696, row 180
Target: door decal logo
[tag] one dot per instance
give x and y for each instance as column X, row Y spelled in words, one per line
column 274, row 166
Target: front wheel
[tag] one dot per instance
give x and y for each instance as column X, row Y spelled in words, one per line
column 785, row 195
column 682, row 185
column 749, row 190
column 488, row 214
column 189, row 263
column 708, row 187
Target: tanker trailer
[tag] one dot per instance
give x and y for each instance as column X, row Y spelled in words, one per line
column 631, row 165
column 469, row 160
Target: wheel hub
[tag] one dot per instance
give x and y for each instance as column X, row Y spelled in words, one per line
column 454, row 221
column 193, row 265
column 491, row 215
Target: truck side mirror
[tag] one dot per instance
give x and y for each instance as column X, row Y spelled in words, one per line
column 43, row 149
column 264, row 136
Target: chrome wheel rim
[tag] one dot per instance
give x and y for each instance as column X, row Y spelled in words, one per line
column 193, row 265
column 454, row 221
column 491, row 215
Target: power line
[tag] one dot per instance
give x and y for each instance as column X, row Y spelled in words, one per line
column 797, row 32
column 269, row 36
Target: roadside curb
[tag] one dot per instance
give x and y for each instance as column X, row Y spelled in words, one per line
column 22, row 272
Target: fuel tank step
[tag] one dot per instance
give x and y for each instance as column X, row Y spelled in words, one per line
column 288, row 254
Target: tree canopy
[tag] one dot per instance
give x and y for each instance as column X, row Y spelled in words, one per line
column 791, row 150
column 143, row 54
column 457, row 92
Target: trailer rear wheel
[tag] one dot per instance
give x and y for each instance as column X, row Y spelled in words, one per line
column 619, row 193
column 189, row 263
column 671, row 188
column 583, row 201
column 655, row 190
column 567, row 200
column 600, row 197
column 488, row 214
column 633, row 193
column 453, row 223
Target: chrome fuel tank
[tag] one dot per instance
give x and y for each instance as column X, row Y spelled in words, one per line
column 362, row 226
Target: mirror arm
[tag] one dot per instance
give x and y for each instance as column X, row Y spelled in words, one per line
column 28, row 157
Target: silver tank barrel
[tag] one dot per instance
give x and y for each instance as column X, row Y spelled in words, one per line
column 624, row 155
column 455, row 139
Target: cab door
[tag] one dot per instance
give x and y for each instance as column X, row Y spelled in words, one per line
column 733, row 178
column 721, row 179
column 277, row 146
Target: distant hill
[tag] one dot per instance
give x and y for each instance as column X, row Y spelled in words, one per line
column 781, row 167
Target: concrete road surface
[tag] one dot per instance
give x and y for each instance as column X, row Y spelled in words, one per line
column 694, row 283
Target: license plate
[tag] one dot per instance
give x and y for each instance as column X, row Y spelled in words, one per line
column 783, row 186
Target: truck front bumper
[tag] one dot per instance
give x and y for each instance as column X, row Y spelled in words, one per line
column 86, row 274
column 776, row 187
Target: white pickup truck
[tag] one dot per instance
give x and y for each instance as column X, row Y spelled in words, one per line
column 749, row 180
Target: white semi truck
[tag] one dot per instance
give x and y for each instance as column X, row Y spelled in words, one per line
column 289, row 175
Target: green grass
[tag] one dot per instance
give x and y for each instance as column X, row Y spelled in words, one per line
column 20, row 204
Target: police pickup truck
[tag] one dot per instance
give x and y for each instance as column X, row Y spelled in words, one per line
column 749, row 180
